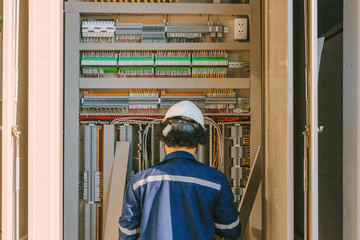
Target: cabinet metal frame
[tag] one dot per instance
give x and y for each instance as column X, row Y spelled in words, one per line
column 73, row 83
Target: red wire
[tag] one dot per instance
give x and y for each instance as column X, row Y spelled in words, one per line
column 215, row 118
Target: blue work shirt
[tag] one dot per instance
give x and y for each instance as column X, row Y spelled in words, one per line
column 179, row 198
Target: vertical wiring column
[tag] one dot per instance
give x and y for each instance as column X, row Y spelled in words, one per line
column 222, row 145
column 139, row 147
column 152, row 161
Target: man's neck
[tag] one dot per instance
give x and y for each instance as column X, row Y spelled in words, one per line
column 169, row 150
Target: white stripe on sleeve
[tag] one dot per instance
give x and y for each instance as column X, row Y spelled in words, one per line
column 176, row 178
column 129, row 232
column 227, row 226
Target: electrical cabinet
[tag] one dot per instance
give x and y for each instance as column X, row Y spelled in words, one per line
column 126, row 63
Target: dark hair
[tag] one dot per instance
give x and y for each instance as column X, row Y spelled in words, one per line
column 177, row 138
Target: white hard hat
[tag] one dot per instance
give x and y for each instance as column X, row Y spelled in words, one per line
column 185, row 109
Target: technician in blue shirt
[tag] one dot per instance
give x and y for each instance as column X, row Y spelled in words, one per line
column 179, row 198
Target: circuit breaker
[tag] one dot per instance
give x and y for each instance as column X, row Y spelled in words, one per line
column 126, row 63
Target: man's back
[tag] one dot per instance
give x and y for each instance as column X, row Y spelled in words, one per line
column 179, row 198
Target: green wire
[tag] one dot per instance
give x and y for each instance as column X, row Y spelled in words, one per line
column 172, row 68
column 135, row 68
column 172, row 59
column 99, row 58
column 106, row 69
column 209, row 59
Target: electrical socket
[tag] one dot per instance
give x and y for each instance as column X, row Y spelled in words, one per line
column 240, row 28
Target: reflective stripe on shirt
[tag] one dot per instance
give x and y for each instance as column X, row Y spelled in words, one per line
column 176, row 178
column 129, row 232
column 227, row 226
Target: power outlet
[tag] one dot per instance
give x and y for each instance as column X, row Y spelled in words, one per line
column 240, row 29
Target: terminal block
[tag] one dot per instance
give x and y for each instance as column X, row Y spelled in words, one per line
column 169, row 99
column 92, row 182
column 220, row 100
column 105, row 101
column 148, row 32
column 210, row 64
column 153, row 33
column 239, row 152
column 95, row 30
column 95, row 64
column 143, row 100
column 129, row 32
column 173, row 64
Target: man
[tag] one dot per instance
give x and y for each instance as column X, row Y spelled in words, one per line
column 179, row 198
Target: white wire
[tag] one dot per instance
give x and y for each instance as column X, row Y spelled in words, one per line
column 145, row 136
column 221, row 141
column 145, row 158
column 132, row 119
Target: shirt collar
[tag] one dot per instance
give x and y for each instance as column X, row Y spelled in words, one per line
column 179, row 154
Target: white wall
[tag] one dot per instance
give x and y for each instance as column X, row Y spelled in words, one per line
column 351, row 145
column 45, row 119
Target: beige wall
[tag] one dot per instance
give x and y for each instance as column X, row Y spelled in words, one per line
column 351, row 120
column 45, row 120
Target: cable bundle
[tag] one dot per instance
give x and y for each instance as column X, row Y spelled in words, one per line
column 136, row 58
column 175, row 72
column 136, row 72
column 205, row 72
column 93, row 72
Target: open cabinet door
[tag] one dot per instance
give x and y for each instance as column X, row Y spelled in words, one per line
column 8, row 109
column 311, row 230
column 306, row 119
column 279, row 118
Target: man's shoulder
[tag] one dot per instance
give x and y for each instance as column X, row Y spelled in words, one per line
column 141, row 175
column 188, row 168
column 199, row 170
column 210, row 171
column 145, row 173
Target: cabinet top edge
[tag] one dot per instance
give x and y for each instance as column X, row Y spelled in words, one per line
column 157, row 8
